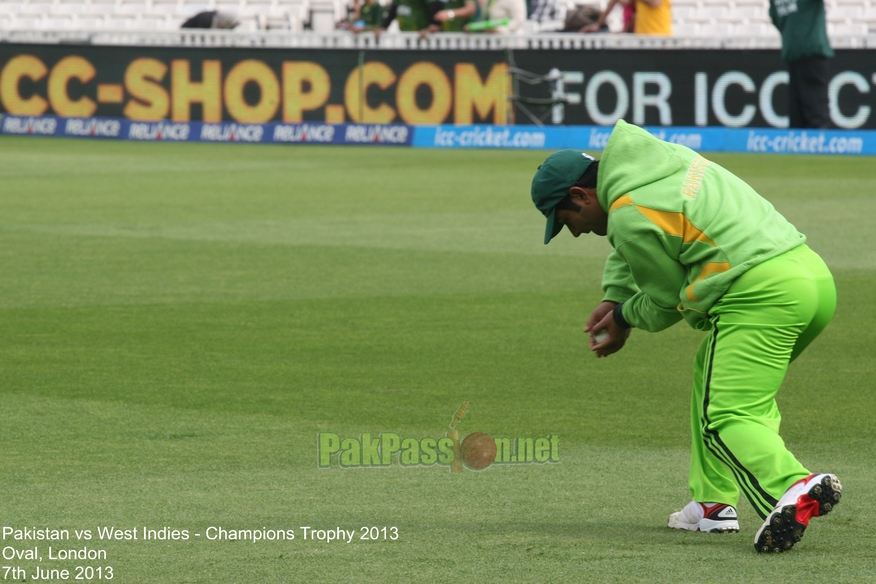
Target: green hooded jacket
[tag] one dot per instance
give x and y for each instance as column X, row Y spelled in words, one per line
column 682, row 228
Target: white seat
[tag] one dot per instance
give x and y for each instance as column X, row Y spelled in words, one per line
column 749, row 13
column 117, row 22
column 56, row 23
column 38, row 8
column 297, row 8
column 10, row 7
column 195, row 6
column 683, row 12
column 26, row 23
column 255, row 7
column 68, row 8
column 745, row 30
column 98, row 9
column 710, row 13
column 285, row 22
column 101, row 7
column 716, row 29
column 322, row 21
column 749, row 29
column 165, row 7
column 847, row 29
column 88, row 22
column 685, row 29
column 150, row 22
column 132, row 7
column 768, row 30
column 846, row 13
column 277, row 23
column 232, row 6
column 284, row 11
column 248, row 24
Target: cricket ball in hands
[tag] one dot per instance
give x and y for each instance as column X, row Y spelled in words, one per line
column 478, row 450
column 601, row 336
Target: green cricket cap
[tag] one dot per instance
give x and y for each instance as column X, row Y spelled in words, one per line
column 552, row 182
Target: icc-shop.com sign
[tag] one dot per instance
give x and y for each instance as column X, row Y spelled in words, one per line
column 254, row 86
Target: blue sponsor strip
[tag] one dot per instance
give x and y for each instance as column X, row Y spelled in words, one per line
column 801, row 141
column 531, row 137
column 554, row 137
column 274, row 133
column 857, row 142
column 700, row 139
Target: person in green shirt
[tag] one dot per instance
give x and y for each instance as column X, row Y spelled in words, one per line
column 367, row 15
column 412, row 16
column 806, row 49
column 370, row 16
column 454, row 15
column 691, row 241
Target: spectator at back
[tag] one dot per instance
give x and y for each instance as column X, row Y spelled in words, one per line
column 367, row 15
column 629, row 15
column 211, row 19
column 652, row 17
column 806, row 49
column 453, row 15
column 411, row 15
column 583, row 15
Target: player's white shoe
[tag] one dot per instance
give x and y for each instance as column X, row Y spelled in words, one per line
column 707, row 517
column 814, row 496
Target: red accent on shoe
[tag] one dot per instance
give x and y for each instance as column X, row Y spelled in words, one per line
column 807, row 507
column 712, row 512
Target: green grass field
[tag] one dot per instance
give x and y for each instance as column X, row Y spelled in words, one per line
column 180, row 321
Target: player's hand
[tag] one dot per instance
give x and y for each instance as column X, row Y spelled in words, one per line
column 603, row 319
column 598, row 314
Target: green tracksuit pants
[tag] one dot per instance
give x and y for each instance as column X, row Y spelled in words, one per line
column 763, row 322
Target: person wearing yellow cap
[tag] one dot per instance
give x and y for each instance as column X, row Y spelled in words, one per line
column 691, row 241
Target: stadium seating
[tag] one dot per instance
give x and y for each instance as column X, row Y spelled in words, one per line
column 142, row 14
column 692, row 18
column 709, row 18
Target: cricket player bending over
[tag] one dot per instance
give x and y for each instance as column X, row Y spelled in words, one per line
column 692, row 241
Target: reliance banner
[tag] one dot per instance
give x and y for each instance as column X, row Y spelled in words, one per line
column 274, row 133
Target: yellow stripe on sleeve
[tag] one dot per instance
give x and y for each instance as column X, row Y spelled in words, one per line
column 675, row 224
